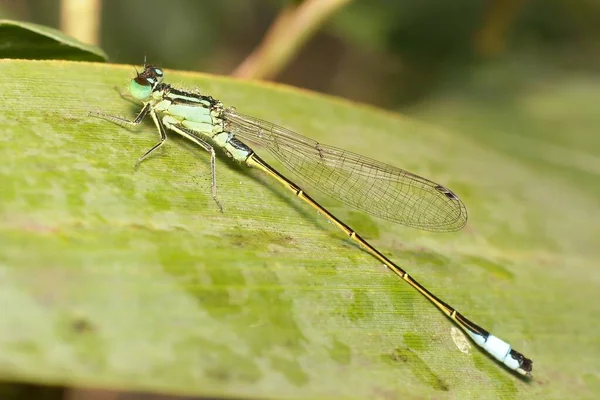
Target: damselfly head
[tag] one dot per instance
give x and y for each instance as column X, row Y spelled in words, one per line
column 151, row 74
column 143, row 84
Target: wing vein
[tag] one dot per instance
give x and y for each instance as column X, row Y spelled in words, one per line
column 368, row 185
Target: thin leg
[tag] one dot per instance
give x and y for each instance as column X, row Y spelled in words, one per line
column 138, row 119
column 163, row 137
column 120, row 120
column 206, row 146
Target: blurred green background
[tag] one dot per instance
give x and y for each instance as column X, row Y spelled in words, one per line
column 520, row 77
column 393, row 54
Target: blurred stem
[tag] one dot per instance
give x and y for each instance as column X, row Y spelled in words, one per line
column 288, row 33
column 92, row 394
column 491, row 38
column 81, row 19
column 20, row 391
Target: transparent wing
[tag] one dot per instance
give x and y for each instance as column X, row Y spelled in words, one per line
column 360, row 182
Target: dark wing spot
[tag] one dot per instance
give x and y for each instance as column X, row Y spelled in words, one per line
column 449, row 194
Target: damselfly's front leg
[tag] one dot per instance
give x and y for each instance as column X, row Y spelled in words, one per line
column 163, row 137
column 120, row 120
column 138, row 120
column 206, row 146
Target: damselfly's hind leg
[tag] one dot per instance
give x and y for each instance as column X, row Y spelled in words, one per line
column 206, row 146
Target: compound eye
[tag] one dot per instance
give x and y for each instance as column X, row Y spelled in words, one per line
column 158, row 74
column 140, row 88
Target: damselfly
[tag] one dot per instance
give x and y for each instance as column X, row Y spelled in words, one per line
column 368, row 185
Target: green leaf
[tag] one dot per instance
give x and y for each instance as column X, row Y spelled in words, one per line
column 115, row 277
column 32, row 41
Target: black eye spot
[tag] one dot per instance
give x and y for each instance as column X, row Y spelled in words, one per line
column 447, row 192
